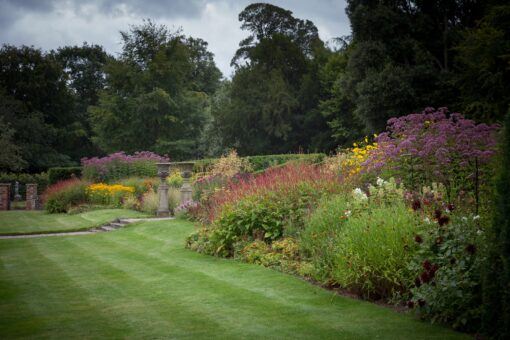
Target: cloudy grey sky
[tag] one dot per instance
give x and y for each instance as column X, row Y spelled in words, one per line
column 48, row 24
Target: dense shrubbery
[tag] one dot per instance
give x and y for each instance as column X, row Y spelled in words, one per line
column 264, row 207
column 119, row 165
column 61, row 196
column 59, row 174
column 364, row 242
column 415, row 239
column 447, row 268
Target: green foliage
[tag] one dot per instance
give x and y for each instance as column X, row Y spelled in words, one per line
column 160, row 85
column 263, row 162
column 62, row 200
column 363, row 244
column 483, row 62
column 496, row 275
column 271, row 104
column 37, row 106
column 59, row 174
column 10, row 158
column 40, row 179
column 447, row 269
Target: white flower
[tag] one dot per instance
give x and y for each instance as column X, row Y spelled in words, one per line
column 464, row 218
column 476, row 217
column 426, row 220
column 380, row 181
column 347, row 213
column 359, row 195
column 479, row 232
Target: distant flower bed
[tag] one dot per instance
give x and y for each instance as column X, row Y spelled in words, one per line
column 101, row 193
column 121, row 165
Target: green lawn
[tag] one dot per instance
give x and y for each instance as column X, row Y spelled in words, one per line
column 140, row 283
column 32, row 222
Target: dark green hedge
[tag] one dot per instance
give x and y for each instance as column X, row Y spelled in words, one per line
column 40, row 179
column 59, row 174
column 263, row 162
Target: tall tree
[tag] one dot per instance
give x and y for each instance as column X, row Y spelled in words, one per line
column 37, row 105
column 276, row 88
column 157, row 93
column 402, row 55
column 83, row 67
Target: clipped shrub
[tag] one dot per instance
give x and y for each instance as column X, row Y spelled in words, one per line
column 62, row 173
column 262, row 162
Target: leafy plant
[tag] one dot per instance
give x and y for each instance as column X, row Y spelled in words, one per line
column 447, row 270
column 61, row 196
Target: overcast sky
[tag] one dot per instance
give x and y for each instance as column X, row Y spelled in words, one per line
column 48, row 24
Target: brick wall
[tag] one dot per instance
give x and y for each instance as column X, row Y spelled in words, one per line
column 5, row 195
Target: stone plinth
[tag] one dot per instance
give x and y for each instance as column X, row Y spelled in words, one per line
column 163, row 170
column 5, row 196
column 32, row 202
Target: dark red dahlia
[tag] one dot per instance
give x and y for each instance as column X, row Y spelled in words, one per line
column 427, row 265
column 416, row 205
column 450, row 207
column 437, row 213
column 418, row 239
column 425, row 277
column 443, row 220
column 417, row 282
column 410, row 304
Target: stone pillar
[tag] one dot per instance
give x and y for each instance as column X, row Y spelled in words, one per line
column 163, row 211
column 5, row 196
column 186, row 192
column 32, row 202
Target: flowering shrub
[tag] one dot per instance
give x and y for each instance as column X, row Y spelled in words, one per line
column 175, row 179
column 230, row 165
column 61, row 196
column 101, row 193
column 120, row 165
column 352, row 163
column 435, row 146
column 265, row 207
column 182, row 210
column 363, row 242
column 284, row 180
column 447, row 269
